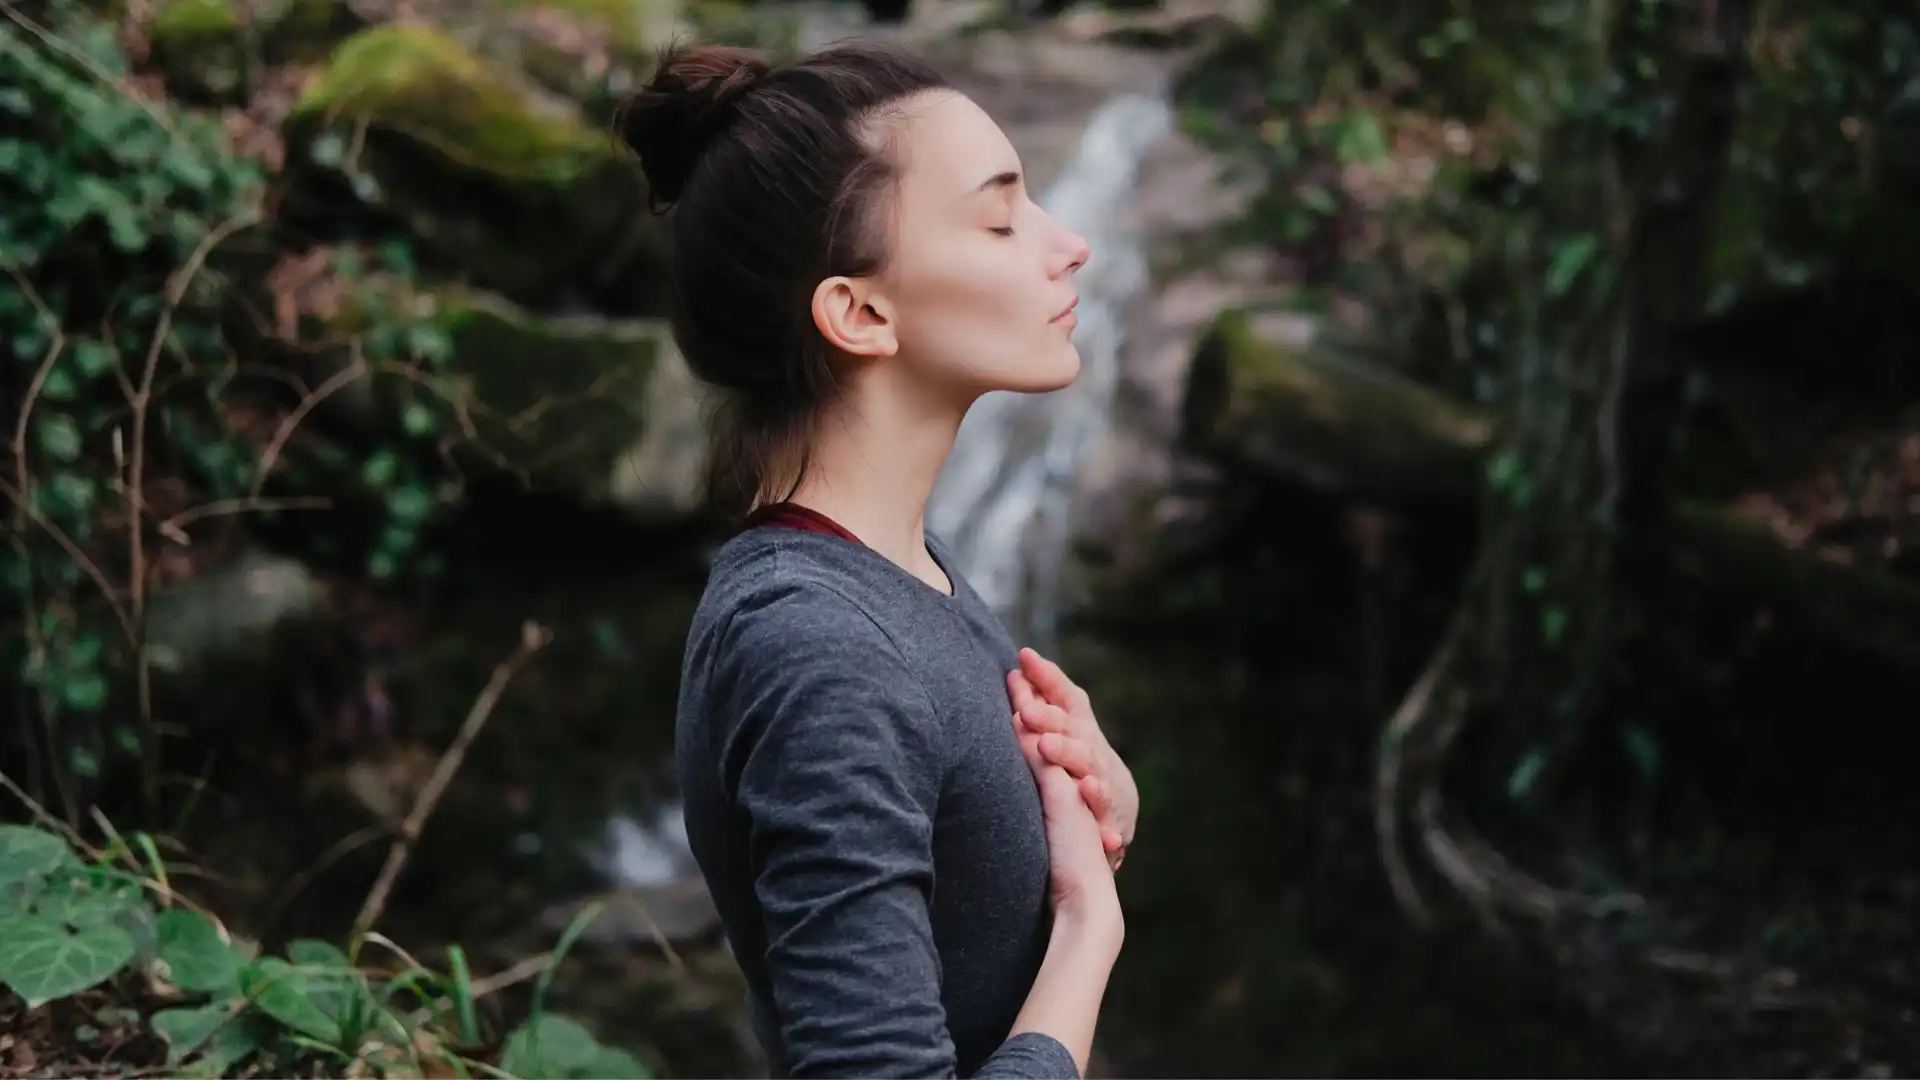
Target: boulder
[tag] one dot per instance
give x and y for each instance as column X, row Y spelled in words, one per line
column 499, row 183
column 561, row 400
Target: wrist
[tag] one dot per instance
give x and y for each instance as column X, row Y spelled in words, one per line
column 1092, row 919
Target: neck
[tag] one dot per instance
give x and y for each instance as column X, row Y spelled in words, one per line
column 876, row 455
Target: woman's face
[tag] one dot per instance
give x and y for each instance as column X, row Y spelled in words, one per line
column 979, row 279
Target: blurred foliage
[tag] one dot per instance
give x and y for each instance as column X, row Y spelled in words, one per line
column 1539, row 206
column 146, row 410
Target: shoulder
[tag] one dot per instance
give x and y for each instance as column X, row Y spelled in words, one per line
column 780, row 600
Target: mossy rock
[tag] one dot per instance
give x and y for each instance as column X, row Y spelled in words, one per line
column 501, row 184
column 211, row 51
column 595, row 52
column 561, row 400
column 202, row 49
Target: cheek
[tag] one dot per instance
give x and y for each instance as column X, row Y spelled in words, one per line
column 980, row 285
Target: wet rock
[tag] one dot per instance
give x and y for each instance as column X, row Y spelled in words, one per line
column 497, row 181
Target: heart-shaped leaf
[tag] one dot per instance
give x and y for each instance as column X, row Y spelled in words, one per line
column 197, row 957
column 281, row 991
column 186, row 1028
column 31, row 853
column 42, row 959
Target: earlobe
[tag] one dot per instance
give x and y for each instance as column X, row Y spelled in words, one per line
column 854, row 318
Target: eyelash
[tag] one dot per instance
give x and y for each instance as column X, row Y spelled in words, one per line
column 1005, row 231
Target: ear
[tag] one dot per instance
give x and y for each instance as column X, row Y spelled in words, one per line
column 854, row 318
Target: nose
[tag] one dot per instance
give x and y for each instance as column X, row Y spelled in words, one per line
column 1072, row 251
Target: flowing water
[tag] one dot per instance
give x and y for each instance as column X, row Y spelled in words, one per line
column 1004, row 501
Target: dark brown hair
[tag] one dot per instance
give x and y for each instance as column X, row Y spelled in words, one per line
column 775, row 176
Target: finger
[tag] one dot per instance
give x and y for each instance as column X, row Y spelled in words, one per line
column 1050, row 681
column 1070, row 754
column 1111, row 840
column 1043, row 717
column 1020, row 692
column 1099, row 799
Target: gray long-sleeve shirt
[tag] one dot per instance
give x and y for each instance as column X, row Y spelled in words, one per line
column 862, row 813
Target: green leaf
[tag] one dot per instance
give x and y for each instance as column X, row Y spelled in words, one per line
column 59, row 386
column 59, row 437
column 230, row 1043
column 1644, row 749
column 186, row 1028
column 84, row 692
column 42, row 960
column 380, row 468
column 418, row 420
column 284, row 992
column 310, row 953
column 92, row 358
column 1571, row 258
column 27, row 853
column 197, row 956
column 86, row 898
column 549, row 1047
column 1526, row 774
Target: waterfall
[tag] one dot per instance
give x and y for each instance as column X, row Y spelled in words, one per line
column 1002, row 504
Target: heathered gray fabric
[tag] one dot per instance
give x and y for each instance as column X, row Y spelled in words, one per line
column 860, row 808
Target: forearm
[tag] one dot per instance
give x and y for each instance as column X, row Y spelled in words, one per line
column 1065, row 1000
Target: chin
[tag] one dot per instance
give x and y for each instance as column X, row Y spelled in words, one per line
column 1056, row 371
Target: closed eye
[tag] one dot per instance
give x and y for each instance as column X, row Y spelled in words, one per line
column 1004, row 230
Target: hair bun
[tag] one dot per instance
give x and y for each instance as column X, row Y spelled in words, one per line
column 670, row 122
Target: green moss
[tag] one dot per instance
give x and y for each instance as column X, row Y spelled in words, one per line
column 428, row 87
column 183, row 23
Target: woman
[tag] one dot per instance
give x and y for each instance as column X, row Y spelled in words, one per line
column 907, row 827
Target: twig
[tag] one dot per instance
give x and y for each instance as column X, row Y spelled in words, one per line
column 41, row 815
column 141, row 404
column 520, row 972
column 277, row 444
column 533, row 638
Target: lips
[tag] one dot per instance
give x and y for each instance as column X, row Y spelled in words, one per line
column 1066, row 311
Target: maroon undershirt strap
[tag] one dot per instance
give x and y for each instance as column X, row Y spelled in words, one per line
column 788, row 515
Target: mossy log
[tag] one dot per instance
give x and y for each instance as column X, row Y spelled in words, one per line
column 1272, row 395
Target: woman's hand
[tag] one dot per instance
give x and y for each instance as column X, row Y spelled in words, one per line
column 1059, row 717
column 1082, row 879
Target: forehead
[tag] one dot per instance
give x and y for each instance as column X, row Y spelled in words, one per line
column 947, row 145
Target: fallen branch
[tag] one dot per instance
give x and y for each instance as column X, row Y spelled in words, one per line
column 533, row 638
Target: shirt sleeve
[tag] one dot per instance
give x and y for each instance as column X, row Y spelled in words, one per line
column 838, row 769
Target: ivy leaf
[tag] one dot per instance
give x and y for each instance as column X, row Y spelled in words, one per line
column 28, row 854
column 186, row 1028
column 281, row 991
column 197, row 956
column 222, row 1039
column 549, row 1047
column 60, row 437
column 42, row 960
column 93, row 358
column 86, row 899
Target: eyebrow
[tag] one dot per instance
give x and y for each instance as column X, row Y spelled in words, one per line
column 1010, row 178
